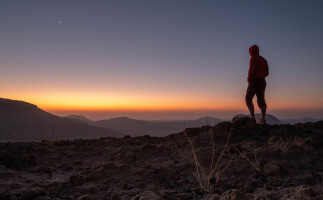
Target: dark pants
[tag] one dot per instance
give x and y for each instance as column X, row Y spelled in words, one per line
column 256, row 87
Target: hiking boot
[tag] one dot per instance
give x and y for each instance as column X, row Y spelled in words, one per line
column 262, row 121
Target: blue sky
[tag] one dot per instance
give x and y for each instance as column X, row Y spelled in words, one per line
column 161, row 53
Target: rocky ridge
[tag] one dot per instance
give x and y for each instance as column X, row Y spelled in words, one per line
column 290, row 158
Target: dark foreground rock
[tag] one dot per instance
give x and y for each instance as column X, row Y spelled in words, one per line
column 284, row 162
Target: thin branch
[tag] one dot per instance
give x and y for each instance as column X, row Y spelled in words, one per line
column 218, row 161
column 243, row 155
column 213, row 149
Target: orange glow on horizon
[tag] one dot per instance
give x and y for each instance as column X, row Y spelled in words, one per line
column 146, row 101
column 136, row 104
column 133, row 104
column 127, row 102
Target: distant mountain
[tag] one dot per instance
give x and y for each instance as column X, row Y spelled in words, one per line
column 155, row 128
column 137, row 127
column 207, row 120
column 123, row 124
column 21, row 121
column 271, row 119
column 79, row 118
column 299, row 120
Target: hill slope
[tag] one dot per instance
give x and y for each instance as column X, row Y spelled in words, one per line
column 21, row 121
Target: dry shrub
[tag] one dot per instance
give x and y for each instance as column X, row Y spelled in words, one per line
column 205, row 175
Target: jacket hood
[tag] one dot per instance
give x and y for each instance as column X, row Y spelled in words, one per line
column 254, row 50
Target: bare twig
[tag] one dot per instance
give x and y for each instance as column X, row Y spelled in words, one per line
column 255, row 165
column 213, row 149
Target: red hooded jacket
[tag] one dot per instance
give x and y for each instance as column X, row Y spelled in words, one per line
column 258, row 65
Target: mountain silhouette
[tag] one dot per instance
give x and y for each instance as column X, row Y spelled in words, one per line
column 271, row 119
column 299, row 120
column 21, row 121
column 79, row 118
column 137, row 127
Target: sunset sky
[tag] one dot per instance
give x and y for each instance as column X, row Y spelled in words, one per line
column 161, row 59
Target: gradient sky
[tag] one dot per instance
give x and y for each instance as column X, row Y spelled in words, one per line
column 138, row 56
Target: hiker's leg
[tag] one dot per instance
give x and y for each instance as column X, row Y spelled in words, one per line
column 249, row 96
column 263, row 113
column 251, row 109
column 261, row 99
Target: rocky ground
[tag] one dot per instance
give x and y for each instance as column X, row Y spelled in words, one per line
column 285, row 162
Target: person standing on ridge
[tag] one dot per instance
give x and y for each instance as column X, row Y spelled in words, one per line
column 258, row 71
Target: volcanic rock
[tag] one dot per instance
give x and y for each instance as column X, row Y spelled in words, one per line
column 290, row 159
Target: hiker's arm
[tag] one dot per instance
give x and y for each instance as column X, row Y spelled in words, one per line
column 251, row 71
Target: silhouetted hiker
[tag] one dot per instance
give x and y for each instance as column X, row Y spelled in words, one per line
column 258, row 71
